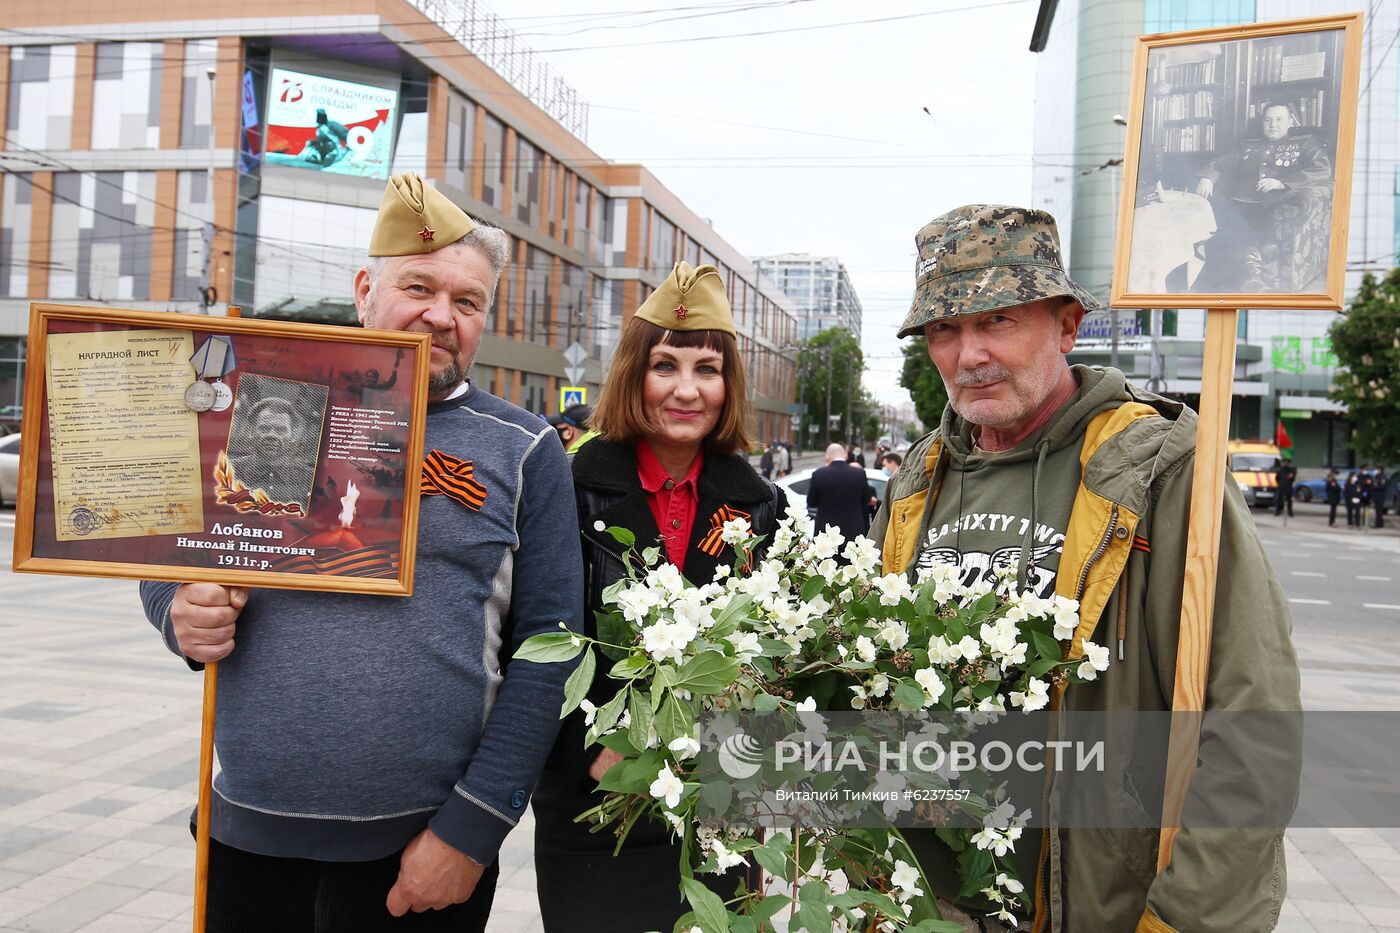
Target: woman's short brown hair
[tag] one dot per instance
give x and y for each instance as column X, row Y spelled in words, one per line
column 620, row 414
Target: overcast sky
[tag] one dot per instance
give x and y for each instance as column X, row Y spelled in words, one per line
column 837, row 141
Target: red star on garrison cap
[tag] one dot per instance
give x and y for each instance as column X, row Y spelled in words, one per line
column 427, row 233
column 681, row 312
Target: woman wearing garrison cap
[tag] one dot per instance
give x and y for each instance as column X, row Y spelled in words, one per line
column 674, row 423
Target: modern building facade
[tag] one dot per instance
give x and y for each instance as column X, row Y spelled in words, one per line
column 1286, row 364
column 259, row 135
column 819, row 287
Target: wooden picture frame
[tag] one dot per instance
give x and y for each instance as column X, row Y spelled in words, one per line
column 1269, row 230
column 159, row 446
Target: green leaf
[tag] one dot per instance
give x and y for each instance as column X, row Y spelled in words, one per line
column 717, row 795
column 1045, row 645
column 615, row 630
column 813, row 917
column 812, row 587
column 709, row 909
column 935, row 926
column 771, row 905
column 650, row 555
column 909, row 695
column 550, row 648
column 735, row 609
column 622, row 536
column 639, row 708
column 743, row 925
column 630, row 667
column 576, row 687
column 609, row 713
column 1041, row 667
column 673, row 719
column 710, row 672
column 775, row 860
column 765, row 702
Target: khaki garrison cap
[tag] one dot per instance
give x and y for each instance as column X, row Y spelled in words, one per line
column 983, row 257
column 416, row 218
column 689, row 299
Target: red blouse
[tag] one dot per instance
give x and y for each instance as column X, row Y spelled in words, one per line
column 672, row 503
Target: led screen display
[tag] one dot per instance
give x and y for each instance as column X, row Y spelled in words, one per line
column 329, row 125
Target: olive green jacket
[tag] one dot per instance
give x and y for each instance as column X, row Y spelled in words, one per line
column 1124, row 559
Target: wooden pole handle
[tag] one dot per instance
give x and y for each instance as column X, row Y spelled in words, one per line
column 1202, row 559
column 206, row 793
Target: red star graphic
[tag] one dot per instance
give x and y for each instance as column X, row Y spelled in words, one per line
column 681, row 312
column 427, row 233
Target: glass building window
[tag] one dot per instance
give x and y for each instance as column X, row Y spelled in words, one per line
column 615, row 232
column 411, row 149
column 196, row 108
column 580, row 223
column 192, row 209
column 108, row 219
column 461, row 140
column 573, row 305
column 40, row 114
column 526, row 197
column 12, row 350
column 126, row 96
column 597, row 243
column 538, row 265
column 1176, row 15
column 661, row 255
column 493, row 184
column 533, row 391
column 16, row 215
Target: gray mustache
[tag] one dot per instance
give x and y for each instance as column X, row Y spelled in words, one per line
column 981, row 375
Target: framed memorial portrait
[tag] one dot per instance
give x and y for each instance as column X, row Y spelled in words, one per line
column 1237, row 175
column 208, row 449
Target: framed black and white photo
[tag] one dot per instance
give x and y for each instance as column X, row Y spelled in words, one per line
column 1238, row 168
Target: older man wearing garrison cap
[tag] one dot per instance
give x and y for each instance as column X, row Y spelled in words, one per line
column 1072, row 481
column 375, row 752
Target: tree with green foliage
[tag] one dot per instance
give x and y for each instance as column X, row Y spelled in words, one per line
column 921, row 378
column 1366, row 340
column 829, row 369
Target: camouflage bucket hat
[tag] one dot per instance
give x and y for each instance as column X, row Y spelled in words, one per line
column 982, row 257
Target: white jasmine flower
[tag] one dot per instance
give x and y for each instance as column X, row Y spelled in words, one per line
column 893, row 587
column 685, row 747
column 1096, row 655
column 906, row 878
column 992, row 704
column 726, row 859
column 676, row 823
column 828, row 570
column 858, row 701
column 865, row 649
column 894, row 634
column 746, row 646
column 942, row 653
column 879, row 685
column 575, row 641
column 589, row 712
column 1010, row 884
column 1037, row 696
column 734, row 531
column 997, row 841
column 864, row 555
column 841, row 650
column 666, row 577
column 828, row 543
column 667, row 786
column 599, row 526
column 808, row 705
column 932, row 684
column 969, row 648
column 636, row 602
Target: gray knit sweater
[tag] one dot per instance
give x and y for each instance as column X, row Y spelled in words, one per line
column 348, row 723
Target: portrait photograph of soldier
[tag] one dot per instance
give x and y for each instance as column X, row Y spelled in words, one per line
column 275, row 436
column 1236, row 165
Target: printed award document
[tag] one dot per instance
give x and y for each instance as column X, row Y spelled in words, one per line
column 125, row 441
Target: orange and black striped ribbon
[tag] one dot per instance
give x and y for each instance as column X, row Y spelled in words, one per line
column 377, row 560
column 712, row 543
column 446, row 475
column 1140, row 544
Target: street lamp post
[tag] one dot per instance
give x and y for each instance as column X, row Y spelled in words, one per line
column 206, row 293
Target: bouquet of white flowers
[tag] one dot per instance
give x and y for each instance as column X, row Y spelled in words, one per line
column 813, row 625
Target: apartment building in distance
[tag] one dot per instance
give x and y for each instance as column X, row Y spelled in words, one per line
column 158, row 155
column 819, row 287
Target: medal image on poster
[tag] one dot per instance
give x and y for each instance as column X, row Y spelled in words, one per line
column 168, row 446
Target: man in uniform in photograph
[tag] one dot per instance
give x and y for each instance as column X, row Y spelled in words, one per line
column 1269, row 183
column 277, row 454
column 1068, row 480
column 374, row 751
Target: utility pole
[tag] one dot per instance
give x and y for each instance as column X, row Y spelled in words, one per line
column 827, row 350
column 207, row 295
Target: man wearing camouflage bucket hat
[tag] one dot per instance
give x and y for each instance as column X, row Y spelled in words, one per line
column 375, row 752
column 1077, row 483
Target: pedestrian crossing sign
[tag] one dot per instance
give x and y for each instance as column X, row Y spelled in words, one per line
column 569, row 396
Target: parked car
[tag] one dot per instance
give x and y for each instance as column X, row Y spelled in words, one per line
column 795, row 485
column 1252, row 465
column 1306, row 490
column 9, row 469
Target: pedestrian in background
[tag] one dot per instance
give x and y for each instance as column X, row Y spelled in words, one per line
column 1380, row 486
column 841, row 495
column 1284, row 475
column 782, row 459
column 571, row 425
column 890, row 462
column 856, row 457
column 1334, row 497
column 1351, row 495
column 765, row 462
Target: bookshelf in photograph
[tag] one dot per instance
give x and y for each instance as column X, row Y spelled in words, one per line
column 1207, row 99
